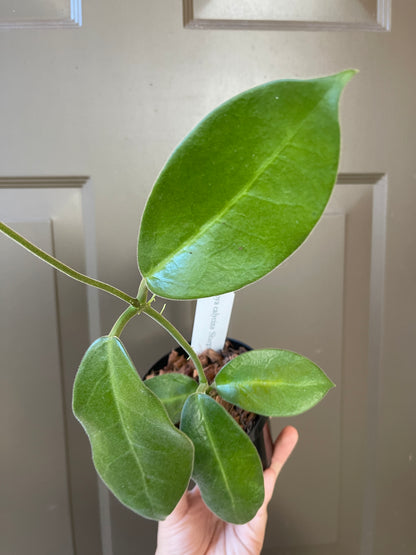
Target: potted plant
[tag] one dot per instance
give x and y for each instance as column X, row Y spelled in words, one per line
column 236, row 198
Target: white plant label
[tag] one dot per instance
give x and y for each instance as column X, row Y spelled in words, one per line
column 212, row 318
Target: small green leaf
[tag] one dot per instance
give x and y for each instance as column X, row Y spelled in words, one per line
column 243, row 190
column 272, row 382
column 227, row 467
column 141, row 457
column 172, row 389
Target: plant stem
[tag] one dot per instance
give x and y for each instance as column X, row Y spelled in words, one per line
column 142, row 292
column 138, row 304
column 127, row 315
column 155, row 315
column 58, row 265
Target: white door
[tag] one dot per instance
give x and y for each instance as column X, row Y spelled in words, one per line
column 88, row 116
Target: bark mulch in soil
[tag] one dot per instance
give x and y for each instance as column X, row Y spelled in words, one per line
column 212, row 362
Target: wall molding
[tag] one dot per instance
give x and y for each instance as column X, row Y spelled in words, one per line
column 47, row 181
column 382, row 22
column 74, row 20
column 44, row 182
column 371, row 178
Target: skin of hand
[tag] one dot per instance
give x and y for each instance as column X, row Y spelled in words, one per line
column 192, row 529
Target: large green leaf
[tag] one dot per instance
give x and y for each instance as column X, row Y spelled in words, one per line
column 243, row 190
column 227, row 467
column 272, row 382
column 142, row 458
column 172, row 389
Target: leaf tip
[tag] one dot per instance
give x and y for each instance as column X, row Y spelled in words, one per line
column 331, row 384
column 346, row 75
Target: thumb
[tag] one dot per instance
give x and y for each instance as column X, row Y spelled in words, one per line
column 283, row 447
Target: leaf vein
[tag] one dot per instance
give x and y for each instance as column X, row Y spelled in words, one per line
column 219, row 460
column 126, row 435
column 275, row 203
column 93, row 390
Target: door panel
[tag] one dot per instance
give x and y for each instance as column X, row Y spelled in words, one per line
column 369, row 15
column 38, row 14
column 110, row 100
column 325, row 301
column 33, row 497
column 49, row 500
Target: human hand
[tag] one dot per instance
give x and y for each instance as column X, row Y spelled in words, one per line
column 192, row 529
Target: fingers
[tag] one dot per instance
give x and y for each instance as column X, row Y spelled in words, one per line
column 180, row 510
column 283, row 447
column 188, row 499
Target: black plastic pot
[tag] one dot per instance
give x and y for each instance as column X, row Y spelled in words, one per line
column 260, row 433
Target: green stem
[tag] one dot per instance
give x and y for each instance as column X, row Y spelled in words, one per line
column 155, row 315
column 127, row 315
column 58, row 265
column 142, row 293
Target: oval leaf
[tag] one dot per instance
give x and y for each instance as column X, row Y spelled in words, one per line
column 172, row 389
column 243, row 190
column 141, row 457
column 227, row 467
column 272, row 382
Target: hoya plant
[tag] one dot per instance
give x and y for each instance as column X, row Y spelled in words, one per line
column 236, row 198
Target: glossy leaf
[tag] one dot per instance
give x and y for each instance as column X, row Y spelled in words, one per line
column 172, row 389
column 227, row 467
column 272, row 382
column 142, row 458
column 243, row 190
